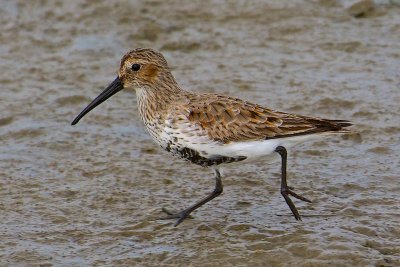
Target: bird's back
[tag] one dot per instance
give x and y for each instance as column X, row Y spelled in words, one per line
column 227, row 119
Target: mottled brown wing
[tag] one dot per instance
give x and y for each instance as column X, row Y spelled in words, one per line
column 228, row 119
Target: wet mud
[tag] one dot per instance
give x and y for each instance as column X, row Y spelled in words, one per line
column 90, row 194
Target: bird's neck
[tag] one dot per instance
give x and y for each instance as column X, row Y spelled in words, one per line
column 154, row 101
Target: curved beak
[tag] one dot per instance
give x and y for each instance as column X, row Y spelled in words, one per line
column 111, row 90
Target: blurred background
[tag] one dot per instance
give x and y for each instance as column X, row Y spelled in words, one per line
column 90, row 194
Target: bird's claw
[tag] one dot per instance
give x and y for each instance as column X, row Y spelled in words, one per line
column 181, row 216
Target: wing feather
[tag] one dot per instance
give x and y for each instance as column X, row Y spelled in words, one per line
column 228, row 119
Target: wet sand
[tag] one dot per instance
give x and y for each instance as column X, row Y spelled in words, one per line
column 89, row 195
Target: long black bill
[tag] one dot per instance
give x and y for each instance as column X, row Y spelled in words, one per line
column 111, row 90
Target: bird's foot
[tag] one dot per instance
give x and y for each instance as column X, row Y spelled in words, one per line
column 289, row 191
column 181, row 215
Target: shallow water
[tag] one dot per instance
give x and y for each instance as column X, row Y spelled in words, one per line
column 89, row 195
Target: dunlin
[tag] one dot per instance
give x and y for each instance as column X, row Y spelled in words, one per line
column 210, row 129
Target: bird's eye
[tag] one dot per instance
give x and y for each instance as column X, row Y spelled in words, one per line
column 135, row 67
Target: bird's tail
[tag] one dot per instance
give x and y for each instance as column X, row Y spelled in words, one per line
column 350, row 134
column 342, row 123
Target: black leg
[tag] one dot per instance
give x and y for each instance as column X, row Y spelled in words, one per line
column 186, row 212
column 285, row 190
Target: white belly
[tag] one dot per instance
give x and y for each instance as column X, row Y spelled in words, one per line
column 250, row 149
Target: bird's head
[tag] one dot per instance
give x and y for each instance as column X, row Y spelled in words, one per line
column 140, row 69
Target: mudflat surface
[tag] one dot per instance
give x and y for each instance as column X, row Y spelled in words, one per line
column 89, row 195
